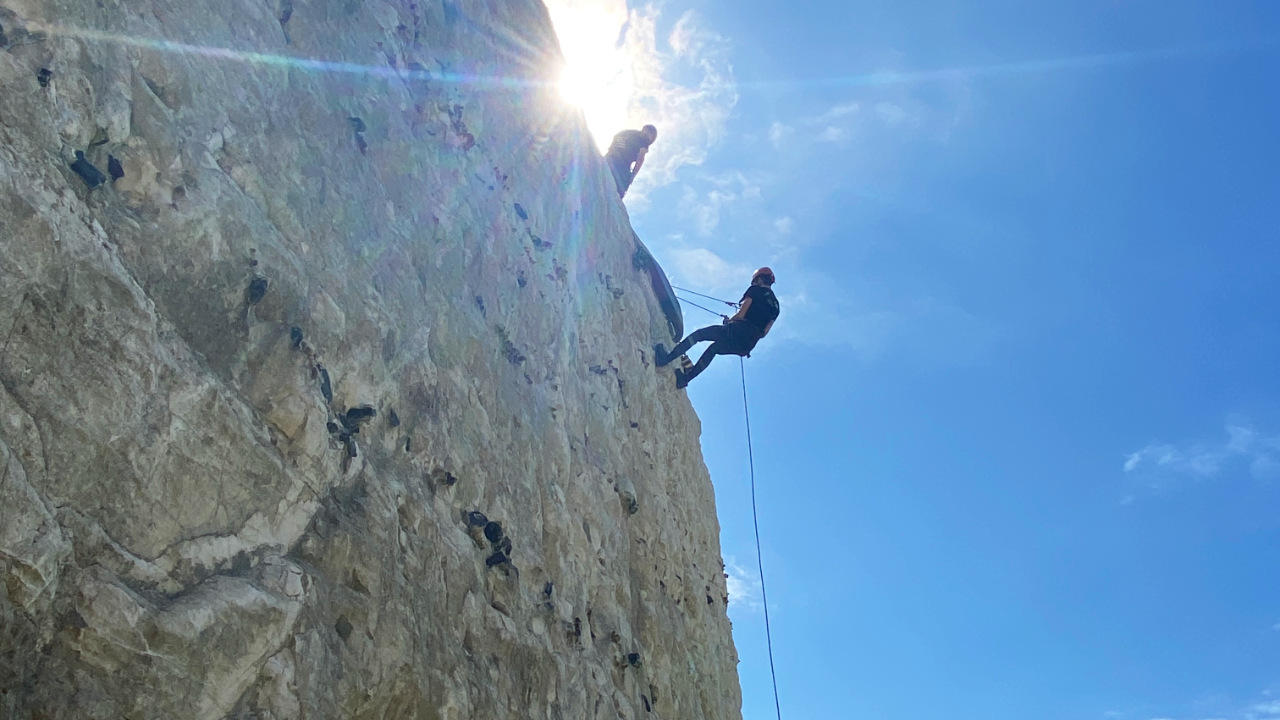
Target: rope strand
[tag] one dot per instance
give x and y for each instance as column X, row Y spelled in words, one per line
column 709, row 297
column 755, row 521
column 713, row 312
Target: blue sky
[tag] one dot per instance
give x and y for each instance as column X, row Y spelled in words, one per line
column 1018, row 426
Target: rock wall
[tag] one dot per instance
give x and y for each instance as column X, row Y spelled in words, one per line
column 332, row 396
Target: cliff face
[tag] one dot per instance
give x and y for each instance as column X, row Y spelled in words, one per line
column 334, row 399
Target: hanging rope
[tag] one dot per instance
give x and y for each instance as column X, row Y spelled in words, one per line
column 755, row 521
column 690, row 302
column 695, row 292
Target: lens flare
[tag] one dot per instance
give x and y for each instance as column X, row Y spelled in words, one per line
column 597, row 76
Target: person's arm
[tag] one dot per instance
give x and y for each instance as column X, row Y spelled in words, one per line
column 742, row 310
column 766, row 328
column 639, row 162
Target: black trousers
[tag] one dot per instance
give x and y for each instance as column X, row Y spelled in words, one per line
column 735, row 338
column 621, row 173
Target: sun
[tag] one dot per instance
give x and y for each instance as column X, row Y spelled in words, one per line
column 597, row 74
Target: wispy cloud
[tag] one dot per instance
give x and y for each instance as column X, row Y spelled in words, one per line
column 779, row 133
column 1266, row 710
column 680, row 81
column 892, row 114
column 1241, row 446
column 744, row 589
column 833, row 134
column 704, row 207
column 709, row 271
column 690, row 116
column 837, row 112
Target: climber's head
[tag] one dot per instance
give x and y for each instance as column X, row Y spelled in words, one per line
column 763, row 276
column 651, row 131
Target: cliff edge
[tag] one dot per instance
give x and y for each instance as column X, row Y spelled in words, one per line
column 326, row 379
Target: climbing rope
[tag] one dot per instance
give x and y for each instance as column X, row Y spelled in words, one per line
column 700, row 307
column 709, row 297
column 755, row 514
column 755, row 521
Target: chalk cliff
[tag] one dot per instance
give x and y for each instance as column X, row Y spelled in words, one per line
column 326, row 384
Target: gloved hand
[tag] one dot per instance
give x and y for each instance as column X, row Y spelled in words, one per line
column 724, row 319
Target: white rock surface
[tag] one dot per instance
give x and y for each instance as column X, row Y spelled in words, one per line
column 182, row 531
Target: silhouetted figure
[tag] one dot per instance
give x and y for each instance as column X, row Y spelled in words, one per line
column 737, row 336
column 626, row 155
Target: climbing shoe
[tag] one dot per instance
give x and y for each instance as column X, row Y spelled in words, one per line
column 660, row 356
column 682, row 379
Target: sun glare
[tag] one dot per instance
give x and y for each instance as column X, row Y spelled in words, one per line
column 597, row 75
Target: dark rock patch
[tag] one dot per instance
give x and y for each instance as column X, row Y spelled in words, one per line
column 343, row 628
column 521, row 212
column 114, row 168
column 509, row 349
column 493, row 532
column 44, row 77
column 91, row 175
column 256, row 291
column 326, row 387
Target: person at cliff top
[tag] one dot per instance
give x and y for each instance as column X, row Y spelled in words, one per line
column 626, row 155
column 737, row 336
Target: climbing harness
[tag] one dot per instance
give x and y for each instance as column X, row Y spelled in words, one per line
column 709, row 297
column 755, row 521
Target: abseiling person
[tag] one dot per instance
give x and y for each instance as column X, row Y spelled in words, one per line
column 737, row 336
column 626, row 153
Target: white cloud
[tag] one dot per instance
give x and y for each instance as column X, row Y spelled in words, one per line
column 1267, row 710
column 784, row 225
column 778, row 132
column 839, row 111
column 833, row 134
column 891, row 114
column 705, row 208
column 682, row 82
column 1242, row 445
column 690, row 116
column 703, row 269
column 744, row 589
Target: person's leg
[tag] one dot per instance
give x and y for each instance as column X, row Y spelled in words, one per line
column 713, row 333
column 621, row 175
column 684, row 378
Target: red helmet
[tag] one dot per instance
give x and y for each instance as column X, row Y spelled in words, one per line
column 765, row 272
